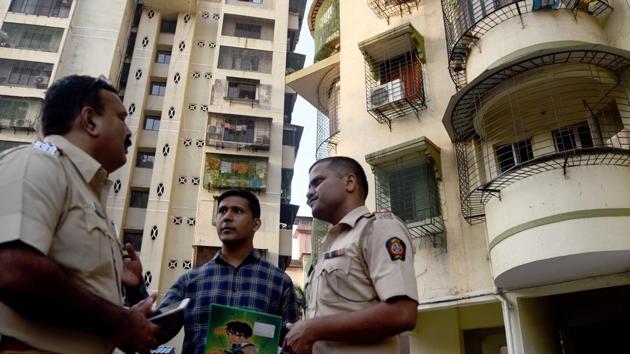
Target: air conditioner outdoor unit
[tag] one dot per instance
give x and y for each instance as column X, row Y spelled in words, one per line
column 21, row 123
column 386, row 93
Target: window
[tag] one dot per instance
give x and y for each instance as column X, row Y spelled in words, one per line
column 134, row 237
column 574, row 137
column 168, row 26
column 163, row 57
column 242, row 88
column 139, row 199
column 245, row 59
column 247, row 30
column 412, row 190
column 41, row 38
column 151, row 123
column 145, row 159
column 510, row 155
column 25, row 73
column 51, row 8
column 252, row 1
column 158, row 88
column 239, row 130
column 406, row 183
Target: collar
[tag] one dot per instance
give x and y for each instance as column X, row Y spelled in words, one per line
column 252, row 257
column 354, row 215
column 88, row 167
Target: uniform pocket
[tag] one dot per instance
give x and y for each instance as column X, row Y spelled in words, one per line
column 334, row 273
column 97, row 249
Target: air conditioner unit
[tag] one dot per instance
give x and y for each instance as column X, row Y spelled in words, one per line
column 21, row 123
column 41, row 82
column 386, row 93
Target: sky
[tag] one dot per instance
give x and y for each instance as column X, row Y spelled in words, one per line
column 305, row 115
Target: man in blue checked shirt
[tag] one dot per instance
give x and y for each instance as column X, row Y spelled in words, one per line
column 237, row 276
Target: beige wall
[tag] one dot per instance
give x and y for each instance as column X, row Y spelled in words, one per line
column 440, row 272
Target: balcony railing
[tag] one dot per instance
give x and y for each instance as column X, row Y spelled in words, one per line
column 393, row 73
column 228, row 171
column 239, row 132
column 326, row 29
column 390, row 8
column 466, row 21
column 554, row 109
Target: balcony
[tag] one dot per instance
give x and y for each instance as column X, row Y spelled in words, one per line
column 239, row 132
column 390, row 8
column 18, row 73
column 467, row 21
column 295, row 62
column 393, row 73
column 543, row 154
column 229, row 171
column 48, row 8
column 19, row 113
column 324, row 25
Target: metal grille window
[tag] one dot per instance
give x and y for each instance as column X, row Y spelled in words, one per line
column 23, row 36
column 51, row 8
column 406, row 184
column 151, row 123
column 19, row 112
column 510, row 155
column 24, row 73
column 158, row 88
column 139, row 199
column 390, row 8
column 393, row 73
column 570, row 138
column 247, row 30
column 145, row 159
column 163, row 57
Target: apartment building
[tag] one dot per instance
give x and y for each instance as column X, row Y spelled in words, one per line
column 42, row 40
column 499, row 131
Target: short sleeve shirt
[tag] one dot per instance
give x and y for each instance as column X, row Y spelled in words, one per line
column 54, row 200
column 346, row 279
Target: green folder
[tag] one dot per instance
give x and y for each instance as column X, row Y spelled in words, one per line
column 242, row 331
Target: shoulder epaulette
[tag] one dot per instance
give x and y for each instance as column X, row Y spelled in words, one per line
column 384, row 214
column 48, row 148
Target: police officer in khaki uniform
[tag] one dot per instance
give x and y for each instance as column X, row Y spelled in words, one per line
column 362, row 292
column 61, row 264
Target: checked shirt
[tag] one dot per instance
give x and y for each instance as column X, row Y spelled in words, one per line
column 255, row 284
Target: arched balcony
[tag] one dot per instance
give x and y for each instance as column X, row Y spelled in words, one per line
column 543, row 153
column 467, row 21
column 552, row 109
column 324, row 26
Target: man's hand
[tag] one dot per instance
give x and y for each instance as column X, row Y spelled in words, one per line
column 299, row 339
column 132, row 270
column 137, row 333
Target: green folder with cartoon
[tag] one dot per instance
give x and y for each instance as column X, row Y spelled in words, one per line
column 241, row 331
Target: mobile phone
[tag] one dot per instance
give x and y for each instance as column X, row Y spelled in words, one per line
column 170, row 310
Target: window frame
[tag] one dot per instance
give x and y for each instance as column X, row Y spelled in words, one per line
column 149, row 163
column 240, row 85
column 165, row 55
column 160, row 86
column 515, row 156
column 153, row 118
column 139, row 201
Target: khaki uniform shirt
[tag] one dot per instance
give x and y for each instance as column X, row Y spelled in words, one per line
column 346, row 279
column 55, row 202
